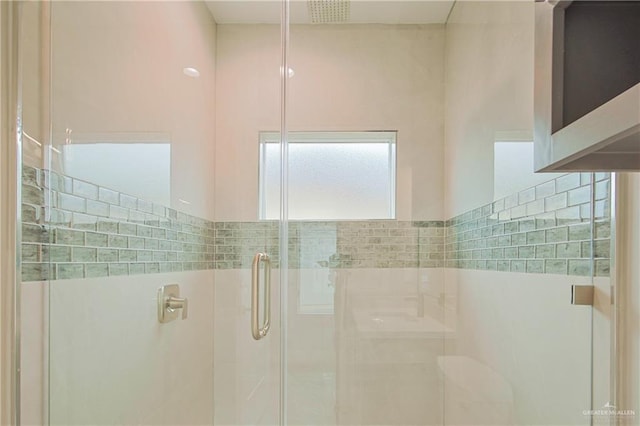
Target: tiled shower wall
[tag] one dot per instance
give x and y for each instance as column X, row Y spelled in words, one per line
column 95, row 232
column 543, row 229
column 335, row 244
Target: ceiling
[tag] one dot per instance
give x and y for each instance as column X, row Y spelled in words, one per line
column 361, row 11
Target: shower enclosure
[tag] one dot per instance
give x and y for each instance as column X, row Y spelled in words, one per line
column 370, row 160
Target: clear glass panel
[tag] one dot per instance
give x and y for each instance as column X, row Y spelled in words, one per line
column 248, row 80
column 453, row 309
column 458, row 310
column 126, row 194
column 367, row 297
column 129, row 174
column 513, row 253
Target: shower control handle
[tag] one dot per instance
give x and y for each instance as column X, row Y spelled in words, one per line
column 170, row 304
column 174, row 303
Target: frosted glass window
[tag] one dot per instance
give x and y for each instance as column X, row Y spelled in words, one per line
column 332, row 175
column 139, row 169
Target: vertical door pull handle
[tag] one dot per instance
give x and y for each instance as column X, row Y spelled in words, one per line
column 257, row 331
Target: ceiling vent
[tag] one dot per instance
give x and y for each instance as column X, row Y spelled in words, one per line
column 328, row 11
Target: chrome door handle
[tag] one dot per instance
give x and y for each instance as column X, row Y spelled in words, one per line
column 169, row 302
column 256, row 331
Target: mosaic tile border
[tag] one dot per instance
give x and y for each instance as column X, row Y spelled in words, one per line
column 543, row 229
column 94, row 231
column 335, row 244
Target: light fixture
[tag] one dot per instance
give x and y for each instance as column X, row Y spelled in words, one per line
column 191, row 72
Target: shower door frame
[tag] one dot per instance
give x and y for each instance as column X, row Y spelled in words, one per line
column 621, row 382
column 284, row 208
column 10, row 166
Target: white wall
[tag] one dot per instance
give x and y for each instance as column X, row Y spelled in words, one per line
column 117, row 75
column 347, row 77
column 489, row 91
column 524, row 328
column 93, row 352
column 112, row 362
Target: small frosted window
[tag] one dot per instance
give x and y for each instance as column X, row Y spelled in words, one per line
column 332, row 176
column 513, row 168
column 140, row 169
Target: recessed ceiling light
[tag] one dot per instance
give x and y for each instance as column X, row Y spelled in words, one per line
column 191, row 72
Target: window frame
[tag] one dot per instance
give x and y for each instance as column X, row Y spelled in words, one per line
column 388, row 137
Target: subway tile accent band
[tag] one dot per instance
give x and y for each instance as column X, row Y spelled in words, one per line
column 544, row 229
column 335, row 244
column 94, row 231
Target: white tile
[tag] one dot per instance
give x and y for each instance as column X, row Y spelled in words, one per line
column 112, row 362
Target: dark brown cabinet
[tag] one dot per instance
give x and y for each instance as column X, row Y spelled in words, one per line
column 587, row 85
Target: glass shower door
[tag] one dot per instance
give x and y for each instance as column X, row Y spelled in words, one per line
column 453, row 305
column 151, row 136
column 247, row 371
column 367, row 303
column 126, row 177
column 126, row 194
